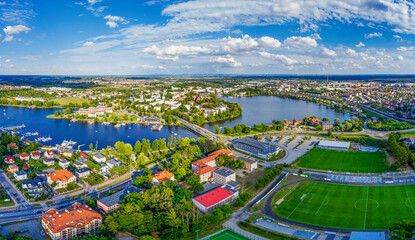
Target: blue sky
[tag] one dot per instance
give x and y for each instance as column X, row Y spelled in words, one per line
column 140, row 37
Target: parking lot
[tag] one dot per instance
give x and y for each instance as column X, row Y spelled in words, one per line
column 30, row 228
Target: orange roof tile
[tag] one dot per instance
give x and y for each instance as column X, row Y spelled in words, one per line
column 204, row 170
column 60, row 175
column 163, row 176
column 77, row 216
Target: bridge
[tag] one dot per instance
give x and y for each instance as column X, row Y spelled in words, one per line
column 200, row 130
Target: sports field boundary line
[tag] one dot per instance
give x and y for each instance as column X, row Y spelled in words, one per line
column 367, row 201
column 322, row 202
column 410, row 202
column 301, row 201
column 226, row 234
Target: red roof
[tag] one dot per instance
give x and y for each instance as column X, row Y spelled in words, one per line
column 24, row 155
column 83, row 155
column 213, row 197
column 12, row 145
column 204, row 170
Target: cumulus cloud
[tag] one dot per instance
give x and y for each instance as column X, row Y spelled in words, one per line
column 301, row 41
column 360, row 44
column 7, row 60
column 400, row 58
column 351, row 52
column 405, row 49
column 13, row 30
column 92, row 2
column 173, row 52
column 328, row 52
column 227, row 60
column 269, row 42
column 372, row 35
column 282, row 58
column 113, row 20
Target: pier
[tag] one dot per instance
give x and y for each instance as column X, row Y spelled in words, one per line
column 12, row 128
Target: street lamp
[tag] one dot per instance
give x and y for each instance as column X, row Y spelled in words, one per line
column 197, row 233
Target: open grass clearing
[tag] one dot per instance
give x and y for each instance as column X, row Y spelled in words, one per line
column 343, row 161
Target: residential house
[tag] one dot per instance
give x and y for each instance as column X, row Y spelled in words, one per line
column 80, row 163
column 49, row 161
column 50, row 154
column 12, row 168
column 104, row 167
column 9, row 160
column 205, row 173
column 327, row 125
column 34, row 187
column 20, row 175
column 77, row 220
column 223, row 175
column 61, row 178
column 162, row 176
column 409, row 141
column 83, row 155
column 64, row 163
column 24, row 156
column 12, row 146
column 114, row 163
column 99, row 157
column 35, row 155
column 83, row 172
column 68, row 153
column 111, row 203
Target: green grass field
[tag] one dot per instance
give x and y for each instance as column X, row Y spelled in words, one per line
column 343, row 161
column 227, row 235
column 349, row 207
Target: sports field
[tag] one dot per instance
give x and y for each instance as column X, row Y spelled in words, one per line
column 348, row 206
column 343, row 161
column 227, row 235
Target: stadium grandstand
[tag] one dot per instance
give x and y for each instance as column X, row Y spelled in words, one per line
column 255, row 147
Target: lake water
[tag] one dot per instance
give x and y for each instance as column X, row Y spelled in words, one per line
column 264, row 109
column 82, row 132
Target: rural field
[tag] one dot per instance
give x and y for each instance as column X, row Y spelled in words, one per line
column 348, row 206
column 343, row 161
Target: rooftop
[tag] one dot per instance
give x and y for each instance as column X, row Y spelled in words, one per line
column 210, row 198
column 76, row 215
column 60, row 175
column 204, row 170
column 335, row 144
column 163, row 176
column 224, row 172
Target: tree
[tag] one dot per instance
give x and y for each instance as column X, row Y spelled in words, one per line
column 137, row 146
column 91, row 147
column 141, row 159
column 337, row 122
column 217, row 129
column 194, row 182
column 330, row 132
column 319, row 127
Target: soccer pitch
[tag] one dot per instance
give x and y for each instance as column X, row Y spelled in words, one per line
column 348, row 206
column 343, row 161
column 227, row 235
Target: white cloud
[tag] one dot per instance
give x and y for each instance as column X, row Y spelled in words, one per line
column 400, row 58
column 282, row 58
column 7, row 60
column 13, row 30
column 228, row 60
column 113, row 20
column 351, row 52
column 269, row 42
column 397, row 37
column 148, row 66
column 173, row 52
column 315, row 36
column 372, row 35
column 92, row 2
column 301, row 41
column 405, row 49
column 88, row 44
column 360, row 44
column 328, row 52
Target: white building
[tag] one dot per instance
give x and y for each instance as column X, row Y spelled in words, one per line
column 335, row 145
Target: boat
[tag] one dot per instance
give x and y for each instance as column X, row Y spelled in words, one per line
column 157, row 127
column 123, row 124
column 117, row 125
column 106, row 123
column 74, row 120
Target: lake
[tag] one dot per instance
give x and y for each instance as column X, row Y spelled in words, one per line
column 82, row 132
column 264, row 109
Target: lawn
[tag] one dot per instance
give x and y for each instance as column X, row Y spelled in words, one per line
column 344, row 161
column 228, row 235
column 66, row 101
column 348, row 206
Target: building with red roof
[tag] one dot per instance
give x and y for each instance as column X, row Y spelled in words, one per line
column 205, row 173
column 24, row 156
column 162, row 176
column 78, row 219
column 35, row 155
column 83, row 155
column 214, row 199
column 9, row 160
column 204, row 167
column 12, row 146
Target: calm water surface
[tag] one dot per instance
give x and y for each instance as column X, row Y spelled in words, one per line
column 82, row 132
column 264, row 109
